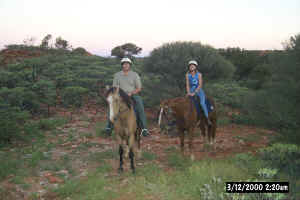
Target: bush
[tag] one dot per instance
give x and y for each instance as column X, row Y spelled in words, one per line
column 169, row 61
column 285, row 157
column 269, row 109
column 11, row 120
column 228, row 93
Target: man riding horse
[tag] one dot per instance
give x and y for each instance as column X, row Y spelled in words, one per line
column 130, row 82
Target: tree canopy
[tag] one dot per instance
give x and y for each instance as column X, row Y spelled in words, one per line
column 126, row 50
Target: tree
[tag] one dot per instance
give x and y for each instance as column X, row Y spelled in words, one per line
column 126, row 50
column 244, row 60
column 170, row 62
column 73, row 97
column 293, row 45
column 261, row 74
column 80, row 51
column 45, row 41
column 45, row 91
column 29, row 41
column 61, row 43
column 11, row 119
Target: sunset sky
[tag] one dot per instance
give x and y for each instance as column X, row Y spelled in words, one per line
column 100, row 25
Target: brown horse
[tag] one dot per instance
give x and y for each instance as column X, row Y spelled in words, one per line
column 122, row 115
column 185, row 113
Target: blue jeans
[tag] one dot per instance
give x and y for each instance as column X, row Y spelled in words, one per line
column 201, row 95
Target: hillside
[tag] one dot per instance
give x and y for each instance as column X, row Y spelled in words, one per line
column 53, row 113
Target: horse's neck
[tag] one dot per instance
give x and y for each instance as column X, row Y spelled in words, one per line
column 124, row 107
column 182, row 105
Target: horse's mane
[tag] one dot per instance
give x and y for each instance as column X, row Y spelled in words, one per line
column 122, row 94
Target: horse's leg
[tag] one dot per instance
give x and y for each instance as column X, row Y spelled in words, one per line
column 121, row 158
column 191, row 137
column 138, row 141
column 181, row 136
column 132, row 150
column 121, row 151
column 203, row 130
column 213, row 130
column 209, row 135
column 131, row 156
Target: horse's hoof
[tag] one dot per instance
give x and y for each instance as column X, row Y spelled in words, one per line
column 192, row 157
column 139, row 154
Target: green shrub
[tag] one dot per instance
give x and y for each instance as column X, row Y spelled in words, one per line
column 228, row 93
column 285, row 157
column 178, row 161
column 11, row 120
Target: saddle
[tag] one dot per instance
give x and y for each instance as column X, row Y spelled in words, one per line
column 196, row 100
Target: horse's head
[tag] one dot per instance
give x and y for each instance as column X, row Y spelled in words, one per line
column 117, row 99
column 171, row 106
column 165, row 108
column 113, row 99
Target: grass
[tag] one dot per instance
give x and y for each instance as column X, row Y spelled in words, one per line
column 186, row 181
column 152, row 181
column 148, row 156
column 177, row 161
column 99, row 127
column 36, row 157
column 50, row 166
column 51, row 123
column 104, row 168
column 223, row 121
column 170, row 149
column 249, row 138
column 101, row 156
column 95, row 187
column 9, row 165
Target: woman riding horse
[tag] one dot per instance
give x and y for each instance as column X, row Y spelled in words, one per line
column 183, row 109
column 194, row 86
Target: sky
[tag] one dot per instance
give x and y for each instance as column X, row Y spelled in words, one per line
column 100, row 25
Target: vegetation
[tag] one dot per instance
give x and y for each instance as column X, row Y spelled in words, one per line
column 250, row 87
column 126, row 50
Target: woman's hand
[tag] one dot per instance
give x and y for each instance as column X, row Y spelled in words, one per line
column 190, row 94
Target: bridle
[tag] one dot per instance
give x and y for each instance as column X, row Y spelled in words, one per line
column 162, row 113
